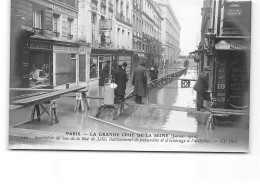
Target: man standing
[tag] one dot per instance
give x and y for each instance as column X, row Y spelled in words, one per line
column 121, row 80
column 140, row 83
column 105, row 74
column 201, row 87
column 153, row 71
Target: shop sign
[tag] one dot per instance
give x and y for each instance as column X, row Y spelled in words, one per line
column 222, row 45
column 39, row 45
column 65, row 48
column 105, row 25
column 240, row 46
column 140, row 55
column 63, row 10
column 232, row 45
column 233, row 10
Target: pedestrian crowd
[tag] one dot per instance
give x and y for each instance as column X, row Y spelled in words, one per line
column 119, row 77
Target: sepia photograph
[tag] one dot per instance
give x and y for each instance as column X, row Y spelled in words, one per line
column 130, row 75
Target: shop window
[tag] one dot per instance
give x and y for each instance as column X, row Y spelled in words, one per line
column 93, row 68
column 37, row 21
column 39, row 74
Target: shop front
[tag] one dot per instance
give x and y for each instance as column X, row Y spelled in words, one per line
column 65, row 64
column 232, row 89
column 37, row 70
column 98, row 58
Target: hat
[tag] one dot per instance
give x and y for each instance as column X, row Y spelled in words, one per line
column 125, row 64
column 207, row 68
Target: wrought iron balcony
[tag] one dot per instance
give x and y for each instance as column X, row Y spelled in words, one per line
column 70, row 36
column 120, row 16
column 56, row 33
column 37, row 30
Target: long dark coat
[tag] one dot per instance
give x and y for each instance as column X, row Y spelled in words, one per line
column 121, row 80
column 104, row 75
column 202, row 83
column 140, row 82
column 154, row 72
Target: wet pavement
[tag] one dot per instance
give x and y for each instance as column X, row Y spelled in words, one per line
column 181, row 131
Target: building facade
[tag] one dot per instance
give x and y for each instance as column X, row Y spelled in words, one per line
column 170, row 32
column 56, row 42
column 225, row 47
column 105, row 25
column 151, row 24
column 45, row 51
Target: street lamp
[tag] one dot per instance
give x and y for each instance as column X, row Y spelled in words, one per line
column 196, row 55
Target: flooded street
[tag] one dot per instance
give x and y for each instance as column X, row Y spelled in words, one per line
column 156, row 116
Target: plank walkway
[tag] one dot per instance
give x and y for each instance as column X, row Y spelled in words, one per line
column 46, row 97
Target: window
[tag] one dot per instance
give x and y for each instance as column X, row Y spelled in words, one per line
column 56, row 25
column 37, row 22
column 70, row 28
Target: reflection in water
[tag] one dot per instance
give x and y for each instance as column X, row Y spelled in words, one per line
column 179, row 121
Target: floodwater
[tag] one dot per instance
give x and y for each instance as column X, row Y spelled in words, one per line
column 144, row 119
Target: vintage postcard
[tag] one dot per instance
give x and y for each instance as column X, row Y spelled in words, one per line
column 130, row 75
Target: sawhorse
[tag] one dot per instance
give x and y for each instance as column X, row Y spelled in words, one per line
column 212, row 121
column 114, row 108
column 52, row 105
column 81, row 101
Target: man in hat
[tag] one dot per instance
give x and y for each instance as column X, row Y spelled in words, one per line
column 140, row 83
column 121, row 80
column 201, row 87
column 124, row 65
column 153, row 71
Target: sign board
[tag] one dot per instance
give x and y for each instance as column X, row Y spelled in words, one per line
column 232, row 45
column 222, row 45
column 105, row 24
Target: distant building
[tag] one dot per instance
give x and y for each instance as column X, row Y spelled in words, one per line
column 170, row 29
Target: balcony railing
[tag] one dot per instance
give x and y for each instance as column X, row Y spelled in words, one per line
column 56, row 33
column 70, row 36
column 120, row 16
column 37, row 30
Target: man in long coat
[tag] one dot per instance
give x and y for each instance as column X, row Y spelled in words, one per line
column 154, row 71
column 140, row 83
column 202, row 86
column 121, row 80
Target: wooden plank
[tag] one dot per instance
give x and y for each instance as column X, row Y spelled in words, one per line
column 46, row 97
column 27, row 95
column 13, row 107
column 115, row 125
column 176, row 108
column 229, row 111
